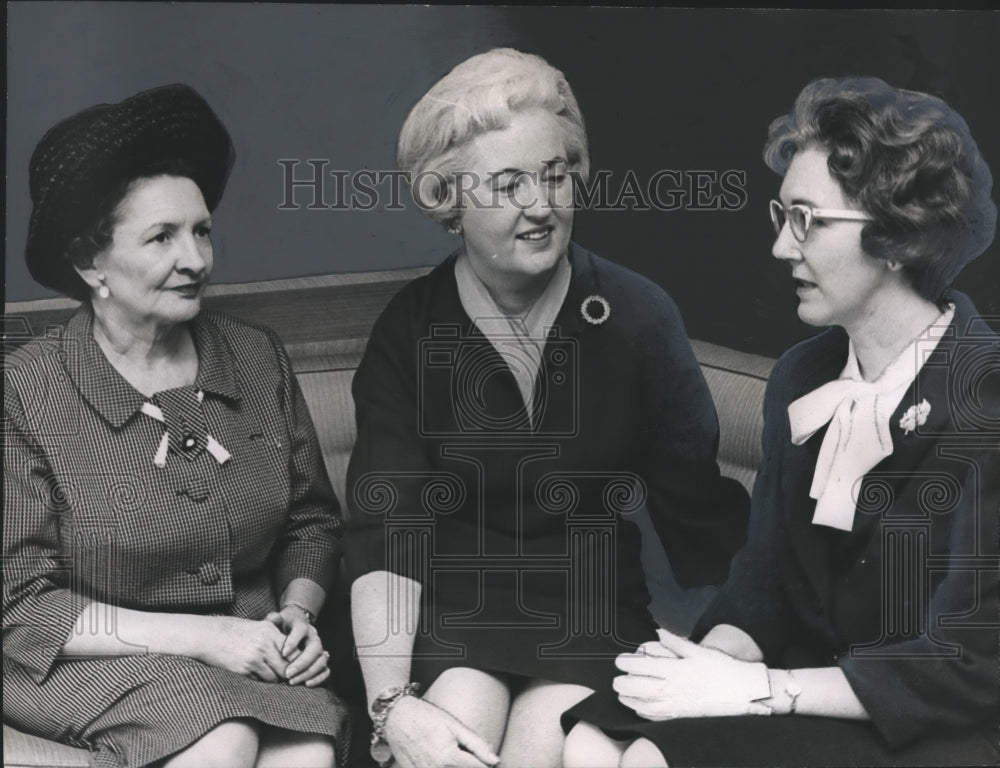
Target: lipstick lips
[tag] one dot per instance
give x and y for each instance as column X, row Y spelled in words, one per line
column 535, row 234
column 801, row 284
column 188, row 290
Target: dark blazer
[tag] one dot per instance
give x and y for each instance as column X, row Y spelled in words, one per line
column 441, row 447
column 905, row 604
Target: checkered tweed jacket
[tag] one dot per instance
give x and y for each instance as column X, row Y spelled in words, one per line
column 89, row 516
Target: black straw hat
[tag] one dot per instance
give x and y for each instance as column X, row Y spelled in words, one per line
column 80, row 161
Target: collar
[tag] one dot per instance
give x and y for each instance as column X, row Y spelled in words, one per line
column 828, row 349
column 518, row 340
column 112, row 396
column 859, row 415
column 479, row 304
column 445, row 304
column 218, row 368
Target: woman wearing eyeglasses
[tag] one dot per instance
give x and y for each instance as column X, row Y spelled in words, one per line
column 859, row 623
column 514, row 406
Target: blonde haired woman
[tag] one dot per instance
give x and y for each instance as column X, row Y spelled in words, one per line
column 550, row 392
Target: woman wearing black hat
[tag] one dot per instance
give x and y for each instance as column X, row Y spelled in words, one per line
column 169, row 528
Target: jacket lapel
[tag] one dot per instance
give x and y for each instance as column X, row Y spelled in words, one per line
column 892, row 478
column 914, row 446
column 810, row 543
column 99, row 383
column 582, row 284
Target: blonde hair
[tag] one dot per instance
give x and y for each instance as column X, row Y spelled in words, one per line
column 481, row 94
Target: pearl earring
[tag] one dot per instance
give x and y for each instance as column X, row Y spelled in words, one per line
column 455, row 229
column 103, row 291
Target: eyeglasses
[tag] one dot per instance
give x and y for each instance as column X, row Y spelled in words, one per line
column 800, row 217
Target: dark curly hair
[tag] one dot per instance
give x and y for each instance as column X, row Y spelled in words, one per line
column 909, row 161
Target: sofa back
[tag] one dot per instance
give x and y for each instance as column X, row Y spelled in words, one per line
column 325, row 321
column 736, row 380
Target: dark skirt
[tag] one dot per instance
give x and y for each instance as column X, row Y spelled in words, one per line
column 502, row 624
column 762, row 742
column 135, row 710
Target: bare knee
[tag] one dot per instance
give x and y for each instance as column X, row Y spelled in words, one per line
column 230, row 744
column 456, row 678
column 477, row 699
column 589, row 747
column 534, row 732
column 281, row 748
column 642, row 753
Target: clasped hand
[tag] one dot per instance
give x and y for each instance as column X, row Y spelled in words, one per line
column 282, row 646
column 673, row 677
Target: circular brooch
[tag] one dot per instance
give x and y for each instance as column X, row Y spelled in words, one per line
column 595, row 309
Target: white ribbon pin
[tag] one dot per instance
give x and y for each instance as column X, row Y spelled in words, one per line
column 160, row 459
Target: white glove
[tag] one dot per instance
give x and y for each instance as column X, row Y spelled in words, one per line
column 654, row 649
column 695, row 682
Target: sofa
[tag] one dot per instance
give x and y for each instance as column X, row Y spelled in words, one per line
column 324, row 322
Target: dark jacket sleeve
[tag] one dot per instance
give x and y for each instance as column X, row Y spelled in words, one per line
column 389, row 468
column 950, row 675
column 309, row 545
column 752, row 598
column 699, row 515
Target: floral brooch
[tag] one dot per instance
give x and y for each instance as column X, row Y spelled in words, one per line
column 595, row 309
column 915, row 416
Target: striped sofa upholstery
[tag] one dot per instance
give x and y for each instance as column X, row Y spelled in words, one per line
column 324, row 322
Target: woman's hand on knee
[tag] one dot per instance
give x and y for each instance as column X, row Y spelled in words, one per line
column 301, row 648
column 422, row 735
column 246, row 647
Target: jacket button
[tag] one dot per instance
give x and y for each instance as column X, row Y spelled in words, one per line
column 197, row 493
column 197, row 489
column 209, row 574
column 188, row 442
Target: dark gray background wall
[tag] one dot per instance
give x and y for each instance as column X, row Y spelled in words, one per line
column 660, row 89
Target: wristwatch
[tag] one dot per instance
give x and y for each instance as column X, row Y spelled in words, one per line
column 380, row 751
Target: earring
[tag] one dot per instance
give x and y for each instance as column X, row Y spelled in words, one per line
column 893, row 265
column 103, row 290
column 455, row 228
